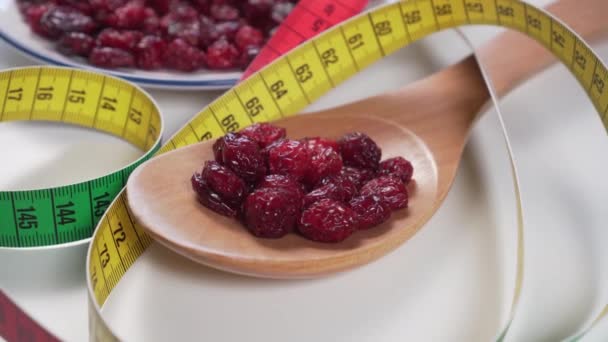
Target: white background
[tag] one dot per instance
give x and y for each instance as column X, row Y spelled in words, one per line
column 452, row 281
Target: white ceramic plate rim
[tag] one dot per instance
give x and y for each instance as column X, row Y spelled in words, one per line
column 16, row 33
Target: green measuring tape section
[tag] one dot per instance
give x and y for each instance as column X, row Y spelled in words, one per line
column 69, row 213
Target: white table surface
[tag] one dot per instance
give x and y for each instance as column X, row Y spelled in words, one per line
column 451, row 282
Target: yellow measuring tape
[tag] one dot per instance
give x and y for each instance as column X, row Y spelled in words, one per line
column 281, row 89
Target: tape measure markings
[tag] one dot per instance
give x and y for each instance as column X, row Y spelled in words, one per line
column 68, row 213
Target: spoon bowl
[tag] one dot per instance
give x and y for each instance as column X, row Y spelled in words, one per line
column 163, row 201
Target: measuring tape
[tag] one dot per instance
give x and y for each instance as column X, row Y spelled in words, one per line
column 69, row 213
column 281, row 89
column 308, row 19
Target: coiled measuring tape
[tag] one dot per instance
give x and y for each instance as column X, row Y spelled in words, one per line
column 68, row 213
column 283, row 88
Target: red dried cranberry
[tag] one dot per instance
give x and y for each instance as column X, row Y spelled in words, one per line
column 122, row 39
column 163, row 6
column 33, row 15
column 184, row 11
column 83, row 6
column 224, row 182
column 76, row 43
column 222, row 55
column 61, row 19
column 150, row 52
column 323, row 162
column 281, row 10
column 271, row 212
column 398, row 167
column 224, row 12
column 248, row 55
column 327, row 221
column 358, row 176
column 189, row 30
column 288, row 157
column 359, row 150
column 316, row 142
column 130, row 16
column 248, row 36
column 257, row 8
column 218, row 146
column 388, row 188
column 106, row 5
column 151, row 24
column 282, row 181
column 243, row 156
column 371, row 210
column 328, row 191
column 213, row 184
column 184, row 57
column 346, row 185
column 264, row 133
column 212, row 31
column 107, row 57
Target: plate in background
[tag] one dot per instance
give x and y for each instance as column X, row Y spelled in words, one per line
column 15, row 31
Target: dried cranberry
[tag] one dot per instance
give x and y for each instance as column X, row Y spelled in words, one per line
column 130, row 16
column 248, row 55
column 323, row 162
column 358, row 176
column 150, row 52
column 222, row 55
column 248, row 36
column 189, row 30
column 224, row 12
column 61, row 19
column 107, row 57
column 281, row 10
column 286, row 182
column 271, row 212
column 288, row 157
column 122, row 39
column 398, row 167
column 210, row 31
column 106, row 5
column 218, row 147
column 33, row 15
column 388, row 188
column 163, row 6
column 83, row 6
column 327, row 221
column 76, row 43
column 184, row 57
column 151, row 24
column 243, row 156
column 224, row 182
column 371, row 210
column 359, row 150
column 316, row 142
column 264, row 133
column 347, row 187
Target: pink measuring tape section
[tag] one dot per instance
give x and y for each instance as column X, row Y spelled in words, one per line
column 306, row 20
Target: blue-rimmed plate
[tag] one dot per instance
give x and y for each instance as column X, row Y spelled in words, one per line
column 17, row 34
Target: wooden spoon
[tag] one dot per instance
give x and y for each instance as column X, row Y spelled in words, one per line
column 428, row 121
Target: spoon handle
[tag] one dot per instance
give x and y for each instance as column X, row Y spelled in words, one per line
column 512, row 57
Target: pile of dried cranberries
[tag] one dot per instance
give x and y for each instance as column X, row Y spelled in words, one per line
column 182, row 35
column 323, row 188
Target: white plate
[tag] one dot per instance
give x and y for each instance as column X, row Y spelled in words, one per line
column 15, row 31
